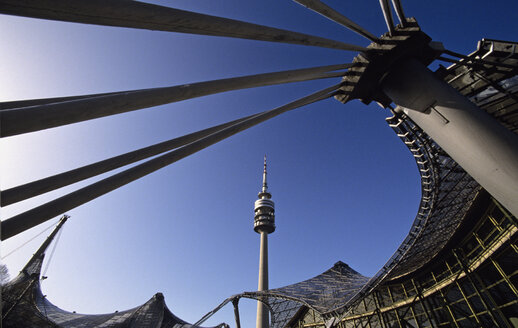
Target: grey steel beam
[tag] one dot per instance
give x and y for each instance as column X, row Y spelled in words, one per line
column 212, row 312
column 399, row 12
column 328, row 12
column 387, row 14
column 42, row 213
column 465, row 267
column 34, row 102
column 135, row 14
column 377, row 303
column 446, row 304
column 28, row 119
column 235, row 303
column 424, row 305
column 410, row 306
column 475, row 140
column 38, row 187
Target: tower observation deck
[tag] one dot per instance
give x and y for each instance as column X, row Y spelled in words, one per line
column 457, row 265
column 264, row 223
column 264, row 209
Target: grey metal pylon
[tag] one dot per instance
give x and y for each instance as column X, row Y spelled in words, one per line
column 136, row 14
column 330, row 13
column 399, row 12
column 480, row 144
column 387, row 14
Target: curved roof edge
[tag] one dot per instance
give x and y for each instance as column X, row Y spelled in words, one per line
column 447, row 190
column 324, row 293
column 26, row 306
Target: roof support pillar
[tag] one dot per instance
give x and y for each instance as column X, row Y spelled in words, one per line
column 474, row 139
column 375, row 296
column 492, row 309
column 235, row 303
column 476, row 321
column 422, row 299
column 446, row 304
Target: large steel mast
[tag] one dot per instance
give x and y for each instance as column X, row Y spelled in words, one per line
column 394, row 70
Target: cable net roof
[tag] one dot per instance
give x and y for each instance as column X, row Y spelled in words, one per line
column 26, row 306
column 324, row 293
column 493, row 88
column 447, row 191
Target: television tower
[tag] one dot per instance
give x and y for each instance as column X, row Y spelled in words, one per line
column 264, row 223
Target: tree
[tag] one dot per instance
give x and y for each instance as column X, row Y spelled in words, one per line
column 4, row 274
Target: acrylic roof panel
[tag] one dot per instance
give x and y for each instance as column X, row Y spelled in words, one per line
column 447, row 190
column 323, row 293
column 492, row 88
column 30, row 308
column 26, row 306
column 327, row 290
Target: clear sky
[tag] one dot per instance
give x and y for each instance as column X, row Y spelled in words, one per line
column 346, row 188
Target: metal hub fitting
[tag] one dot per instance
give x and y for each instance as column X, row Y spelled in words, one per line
column 362, row 81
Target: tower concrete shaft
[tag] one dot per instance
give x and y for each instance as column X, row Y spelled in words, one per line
column 264, row 223
column 480, row 144
column 262, row 311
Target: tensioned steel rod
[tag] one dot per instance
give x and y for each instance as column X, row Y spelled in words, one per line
column 328, row 12
column 42, row 101
column 456, row 54
column 473, row 62
column 35, row 188
column 212, row 312
column 235, row 302
column 450, row 60
column 399, row 12
column 135, row 14
column 34, row 118
column 387, row 14
column 42, row 213
column 34, row 102
column 478, row 60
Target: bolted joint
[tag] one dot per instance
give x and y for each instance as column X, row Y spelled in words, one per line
column 363, row 80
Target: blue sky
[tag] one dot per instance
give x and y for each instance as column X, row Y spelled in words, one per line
column 345, row 187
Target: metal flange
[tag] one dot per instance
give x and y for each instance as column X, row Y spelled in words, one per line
column 362, row 81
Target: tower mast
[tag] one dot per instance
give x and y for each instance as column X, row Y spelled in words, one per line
column 264, row 223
